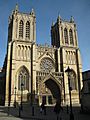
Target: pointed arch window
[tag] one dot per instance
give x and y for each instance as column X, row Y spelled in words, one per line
column 71, row 36
column 27, row 29
column 73, row 80
column 21, row 29
column 66, row 35
column 23, row 78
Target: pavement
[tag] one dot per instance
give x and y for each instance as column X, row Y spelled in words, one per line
column 11, row 113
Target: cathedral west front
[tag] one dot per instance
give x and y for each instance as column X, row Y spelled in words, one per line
column 37, row 72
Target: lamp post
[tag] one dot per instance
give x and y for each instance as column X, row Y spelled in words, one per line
column 32, row 94
column 15, row 97
column 68, row 71
column 22, row 95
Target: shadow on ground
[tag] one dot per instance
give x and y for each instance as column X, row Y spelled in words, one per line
column 34, row 114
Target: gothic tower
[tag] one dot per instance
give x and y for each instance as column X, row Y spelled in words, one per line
column 21, row 39
column 64, row 37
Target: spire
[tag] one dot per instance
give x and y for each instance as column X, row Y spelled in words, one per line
column 72, row 19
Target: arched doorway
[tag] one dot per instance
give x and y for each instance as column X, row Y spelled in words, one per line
column 50, row 91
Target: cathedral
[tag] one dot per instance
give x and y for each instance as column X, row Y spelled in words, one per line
column 36, row 73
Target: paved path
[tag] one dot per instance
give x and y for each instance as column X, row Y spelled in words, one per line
column 26, row 114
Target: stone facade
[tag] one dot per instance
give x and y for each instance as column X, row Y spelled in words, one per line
column 40, row 68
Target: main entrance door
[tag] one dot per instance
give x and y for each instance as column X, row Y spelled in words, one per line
column 50, row 92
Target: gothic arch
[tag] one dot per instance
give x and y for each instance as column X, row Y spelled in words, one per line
column 50, row 76
column 28, row 29
column 71, row 37
column 46, row 54
column 23, row 77
column 73, row 82
column 66, row 35
column 54, row 86
column 21, row 28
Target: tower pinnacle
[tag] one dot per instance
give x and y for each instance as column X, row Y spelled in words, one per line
column 52, row 23
column 16, row 8
column 32, row 12
column 72, row 19
column 59, row 18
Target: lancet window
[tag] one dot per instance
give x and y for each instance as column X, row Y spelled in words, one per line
column 27, row 30
column 21, row 29
column 66, row 35
column 23, row 78
column 71, row 36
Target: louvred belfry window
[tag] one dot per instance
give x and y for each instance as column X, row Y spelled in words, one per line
column 71, row 36
column 27, row 30
column 66, row 35
column 21, row 29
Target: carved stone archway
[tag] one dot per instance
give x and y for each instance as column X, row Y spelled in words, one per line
column 54, row 89
column 49, row 90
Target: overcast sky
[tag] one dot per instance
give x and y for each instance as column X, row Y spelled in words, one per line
column 46, row 12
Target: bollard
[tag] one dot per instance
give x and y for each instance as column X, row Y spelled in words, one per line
column 8, row 110
column 60, row 118
column 32, row 110
column 71, row 116
column 45, row 111
column 67, row 109
column 19, row 111
column 57, row 117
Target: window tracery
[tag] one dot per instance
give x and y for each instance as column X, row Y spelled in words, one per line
column 46, row 65
column 73, row 80
column 23, row 78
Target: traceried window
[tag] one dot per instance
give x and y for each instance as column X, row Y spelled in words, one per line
column 27, row 30
column 73, row 80
column 21, row 29
column 66, row 35
column 46, row 65
column 71, row 36
column 23, row 78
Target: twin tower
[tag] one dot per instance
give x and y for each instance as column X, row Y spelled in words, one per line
column 37, row 72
